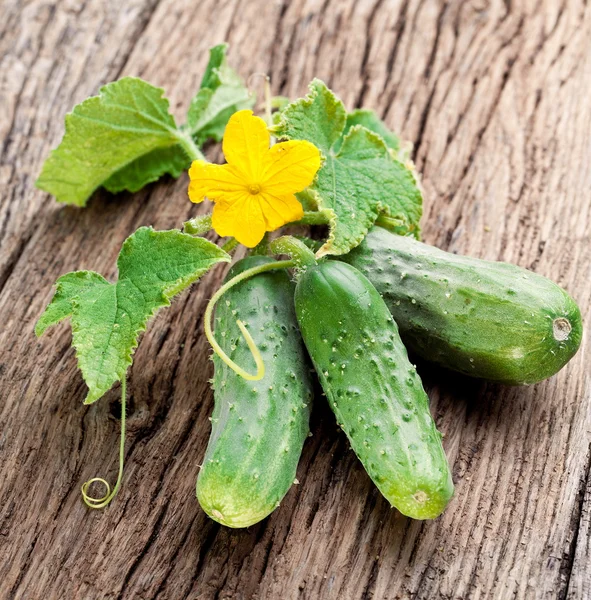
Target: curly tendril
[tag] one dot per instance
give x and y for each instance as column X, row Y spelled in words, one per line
column 103, row 501
column 267, row 79
column 258, row 359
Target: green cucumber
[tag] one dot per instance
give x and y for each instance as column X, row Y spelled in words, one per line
column 258, row 427
column 487, row 319
column 373, row 389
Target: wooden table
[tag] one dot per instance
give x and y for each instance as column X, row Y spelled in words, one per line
column 495, row 96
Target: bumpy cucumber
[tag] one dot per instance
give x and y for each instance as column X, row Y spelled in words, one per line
column 258, row 427
column 373, row 389
column 487, row 319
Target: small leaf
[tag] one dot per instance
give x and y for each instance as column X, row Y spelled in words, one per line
column 360, row 178
column 399, row 149
column 222, row 93
column 107, row 318
column 126, row 121
column 369, row 120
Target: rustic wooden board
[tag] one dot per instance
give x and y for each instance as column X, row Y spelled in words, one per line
column 495, row 96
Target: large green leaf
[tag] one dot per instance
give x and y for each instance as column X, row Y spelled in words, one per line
column 128, row 120
column 107, row 318
column 125, row 137
column 360, row 178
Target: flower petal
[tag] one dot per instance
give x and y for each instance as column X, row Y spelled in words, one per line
column 246, row 142
column 213, row 181
column 242, row 219
column 279, row 210
column 290, row 167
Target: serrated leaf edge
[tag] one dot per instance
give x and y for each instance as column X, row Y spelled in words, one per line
column 68, row 128
column 279, row 130
column 328, row 247
column 167, row 295
column 307, row 100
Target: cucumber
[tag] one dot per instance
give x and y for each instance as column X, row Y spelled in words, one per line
column 373, row 389
column 486, row 319
column 258, row 427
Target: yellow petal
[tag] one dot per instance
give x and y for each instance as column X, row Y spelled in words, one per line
column 213, row 181
column 241, row 218
column 279, row 210
column 290, row 167
column 246, row 142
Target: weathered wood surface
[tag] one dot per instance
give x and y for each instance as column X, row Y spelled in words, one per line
column 495, row 96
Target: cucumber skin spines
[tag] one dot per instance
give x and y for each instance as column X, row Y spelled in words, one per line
column 258, row 427
column 491, row 320
column 374, row 391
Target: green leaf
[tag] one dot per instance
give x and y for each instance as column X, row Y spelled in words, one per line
column 360, row 179
column 149, row 168
column 128, row 120
column 68, row 287
column 368, row 119
column 125, row 137
column 221, row 94
column 107, row 318
column 399, row 149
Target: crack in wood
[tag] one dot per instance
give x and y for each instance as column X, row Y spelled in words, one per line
column 567, row 565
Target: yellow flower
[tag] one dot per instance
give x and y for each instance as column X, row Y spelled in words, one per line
column 254, row 191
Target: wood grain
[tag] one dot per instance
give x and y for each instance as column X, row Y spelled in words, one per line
column 495, row 96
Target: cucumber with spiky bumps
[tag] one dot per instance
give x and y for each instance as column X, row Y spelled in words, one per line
column 487, row 319
column 375, row 392
column 258, row 427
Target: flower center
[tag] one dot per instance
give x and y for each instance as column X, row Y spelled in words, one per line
column 254, row 188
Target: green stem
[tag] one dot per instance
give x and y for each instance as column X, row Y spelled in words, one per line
column 282, row 264
column 268, row 115
column 189, row 146
column 279, row 102
column 268, row 110
column 230, row 245
column 300, row 254
column 320, row 218
column 312, row 218
column 262, row 248
column 313, row 245
column 109, row 495
column 201, row 225
column 390, row 223
column 198, row 225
